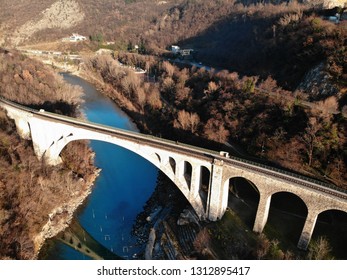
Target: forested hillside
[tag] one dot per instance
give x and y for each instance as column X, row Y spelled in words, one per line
column 36, row 200
column 27, row 81
column 261, row 39
column 197, row 105
column 24, row 22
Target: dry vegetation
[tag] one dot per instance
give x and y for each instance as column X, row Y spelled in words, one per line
column 28, row 82
column 108, row 19
column 194, row 105
column 30, row 191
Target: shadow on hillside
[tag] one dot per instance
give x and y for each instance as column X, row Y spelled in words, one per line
column 250, row 46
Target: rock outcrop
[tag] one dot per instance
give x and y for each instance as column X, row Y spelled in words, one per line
column 317, row 84
column 62, row 14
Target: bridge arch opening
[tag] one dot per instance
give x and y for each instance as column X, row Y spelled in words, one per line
column 332, row 226
column 286, row 219
column 78, row 156
column 187, row 173
column 126, row 182
column 243, row 199
column 205, row 177
column 172, row 163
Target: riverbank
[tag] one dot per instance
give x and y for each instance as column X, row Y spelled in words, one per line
column 168, row 226
column 37, row 200
column 61, row 216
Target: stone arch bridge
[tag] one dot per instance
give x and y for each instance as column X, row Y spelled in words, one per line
column 201, row 175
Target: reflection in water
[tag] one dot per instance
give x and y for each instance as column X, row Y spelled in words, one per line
column 80, row 240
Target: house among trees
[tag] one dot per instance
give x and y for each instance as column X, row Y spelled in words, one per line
column 185, row 53
column 75, row 38
column 175, row 49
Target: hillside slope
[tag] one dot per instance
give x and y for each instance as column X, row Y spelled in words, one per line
column 26, row 21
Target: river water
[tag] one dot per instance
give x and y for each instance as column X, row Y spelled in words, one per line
column 122, row 188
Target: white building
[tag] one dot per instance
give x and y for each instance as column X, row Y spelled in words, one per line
column 75, row 38
column 175, row 49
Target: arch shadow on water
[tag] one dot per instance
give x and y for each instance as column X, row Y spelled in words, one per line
column 243, row 199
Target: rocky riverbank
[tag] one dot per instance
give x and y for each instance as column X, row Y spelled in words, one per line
column 168, row 227
column 61, row 217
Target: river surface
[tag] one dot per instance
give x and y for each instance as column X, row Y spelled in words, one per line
column 120, row 192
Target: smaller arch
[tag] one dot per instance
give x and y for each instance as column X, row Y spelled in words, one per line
column 205, row 178
column 172, row 163
column 205, row 175
column 285, row 201
column 243, row 199
column 187, row 173
column 158, row 156
column 242, row 187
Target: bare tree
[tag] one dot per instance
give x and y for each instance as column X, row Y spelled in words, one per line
column 215, row 130
column 187, row 121
column 168, row 68
column 309, row 138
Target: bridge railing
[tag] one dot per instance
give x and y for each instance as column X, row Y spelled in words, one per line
column 271, row 170
column 201, row 152
column 304, row 180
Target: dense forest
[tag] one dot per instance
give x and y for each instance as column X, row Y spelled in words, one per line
column 26, row 81
column 36, row 200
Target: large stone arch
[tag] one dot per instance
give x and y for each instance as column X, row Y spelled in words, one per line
column 172, row 167
column 51, row 132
